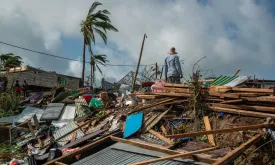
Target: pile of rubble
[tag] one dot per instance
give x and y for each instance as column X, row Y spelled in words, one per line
column 185, row 122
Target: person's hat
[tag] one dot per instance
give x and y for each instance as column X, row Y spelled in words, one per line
column 173, row 51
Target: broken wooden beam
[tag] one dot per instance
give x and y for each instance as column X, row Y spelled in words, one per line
column 224, row 130
column 245, row 107
column 163, row 150
column 168, row 141
column 207, row 125
column 152, row 105
column 172, row 94
column 232, row 101
column 169, row 89
column 174, row 156
column 256, row 90
column 238, row 151
column 148, row 96
column 242, row 112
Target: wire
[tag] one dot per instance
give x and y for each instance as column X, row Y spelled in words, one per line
column 65, row 58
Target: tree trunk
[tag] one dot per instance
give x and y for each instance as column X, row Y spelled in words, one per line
column 92, row 70
column 83, row 63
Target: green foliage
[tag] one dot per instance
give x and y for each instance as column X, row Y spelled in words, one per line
column 10, row 60
column 9, row 101
column 99, row 23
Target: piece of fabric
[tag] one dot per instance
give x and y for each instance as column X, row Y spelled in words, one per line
column 172, row 66
column 173, row 80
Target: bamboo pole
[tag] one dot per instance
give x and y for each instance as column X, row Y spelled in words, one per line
column 134, row 81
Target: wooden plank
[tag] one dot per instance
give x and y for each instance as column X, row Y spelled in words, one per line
column 59, row 163
column 176, row 90
column 174, row 156
column 31, row 128
column 79, row 151
column 260, row 99
column 257, row 90
column 163, row 130
column 252, row 108
column 232, row 101
column 207, row 125
column 253, row 94
column 152, row 105
column 172, row 94
column 220, row 131
column 74, row 136
column 224, row 95
column 156, row 120
column 36, row 123
column 243, row 112
column 168, row 141
column 163, row 150
column 238, row 151
column 148, row 96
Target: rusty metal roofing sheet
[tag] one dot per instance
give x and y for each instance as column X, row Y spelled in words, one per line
column 64, row 130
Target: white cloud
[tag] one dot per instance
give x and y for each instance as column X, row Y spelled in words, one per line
column 196, row 30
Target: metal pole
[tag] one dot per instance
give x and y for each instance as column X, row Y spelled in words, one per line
column 156, row 71
column 161, row 72
column 134, row 82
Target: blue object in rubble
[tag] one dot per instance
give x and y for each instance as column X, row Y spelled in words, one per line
column 133, row 124
column 221, row 113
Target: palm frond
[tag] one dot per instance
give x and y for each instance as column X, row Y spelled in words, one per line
column 93, row 7
column 106, row 12
column 100, row 16
column 105, row 25
column 99, row 69
column 102, row 35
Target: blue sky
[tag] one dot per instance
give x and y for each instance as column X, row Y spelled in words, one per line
column 235, row 34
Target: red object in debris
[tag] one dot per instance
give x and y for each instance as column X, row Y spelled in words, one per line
column 147, row 84
column 88, row 98
column 14, row 163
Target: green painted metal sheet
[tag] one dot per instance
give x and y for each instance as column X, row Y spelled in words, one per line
column 222, row 80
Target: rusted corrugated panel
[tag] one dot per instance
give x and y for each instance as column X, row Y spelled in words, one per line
column 64, row 130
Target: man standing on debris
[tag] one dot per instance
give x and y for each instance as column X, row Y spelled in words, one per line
column 25, row 88
column 172, row 67
column 17, row 88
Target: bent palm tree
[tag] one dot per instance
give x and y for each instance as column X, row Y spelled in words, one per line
column 95, row 22
column 10, row 60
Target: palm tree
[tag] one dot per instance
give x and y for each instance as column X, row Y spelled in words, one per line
column 9, row 60
column 95, row 22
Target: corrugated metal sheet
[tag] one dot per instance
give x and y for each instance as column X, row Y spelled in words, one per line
column 237, row 81
column 53, row 111
column 64, row 130
column 222, row 80
column 8, row 119
column 28, row 113
column 111, row 156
